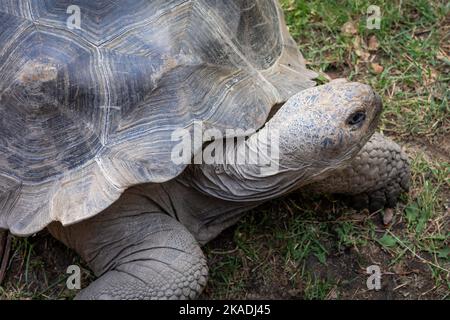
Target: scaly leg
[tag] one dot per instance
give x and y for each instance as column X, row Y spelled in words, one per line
column 374, row 179
column 137, row 252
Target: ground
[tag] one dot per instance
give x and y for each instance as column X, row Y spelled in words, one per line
column 309, row 247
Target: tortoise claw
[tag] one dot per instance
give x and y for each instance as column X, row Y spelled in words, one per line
column 5, row 248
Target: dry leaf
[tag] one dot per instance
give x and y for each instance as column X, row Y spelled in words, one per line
column 442, row 56
column 430, row 76
column 363, row 55
column 387, row 216
column 357, row 42
column 373, row 43
column 376, row 68
column 349, row 28
column 398, row 268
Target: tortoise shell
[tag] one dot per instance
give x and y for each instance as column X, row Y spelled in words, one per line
column 89, row 110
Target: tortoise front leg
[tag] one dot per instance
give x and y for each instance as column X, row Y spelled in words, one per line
column 374, row 179
column 137, row 252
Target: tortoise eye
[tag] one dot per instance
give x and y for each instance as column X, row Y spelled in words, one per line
column 356, row 118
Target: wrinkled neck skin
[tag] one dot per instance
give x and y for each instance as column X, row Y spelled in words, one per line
column 255, row 182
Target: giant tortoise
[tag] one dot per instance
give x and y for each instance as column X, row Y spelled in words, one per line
column 136, row 131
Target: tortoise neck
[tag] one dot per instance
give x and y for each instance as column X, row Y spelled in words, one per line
column 254, row 170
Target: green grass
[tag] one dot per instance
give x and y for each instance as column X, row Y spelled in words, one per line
column 316, row 289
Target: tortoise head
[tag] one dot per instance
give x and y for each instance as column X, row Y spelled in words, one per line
column 324, row 127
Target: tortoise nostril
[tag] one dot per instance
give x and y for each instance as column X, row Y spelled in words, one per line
column 356, row 118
